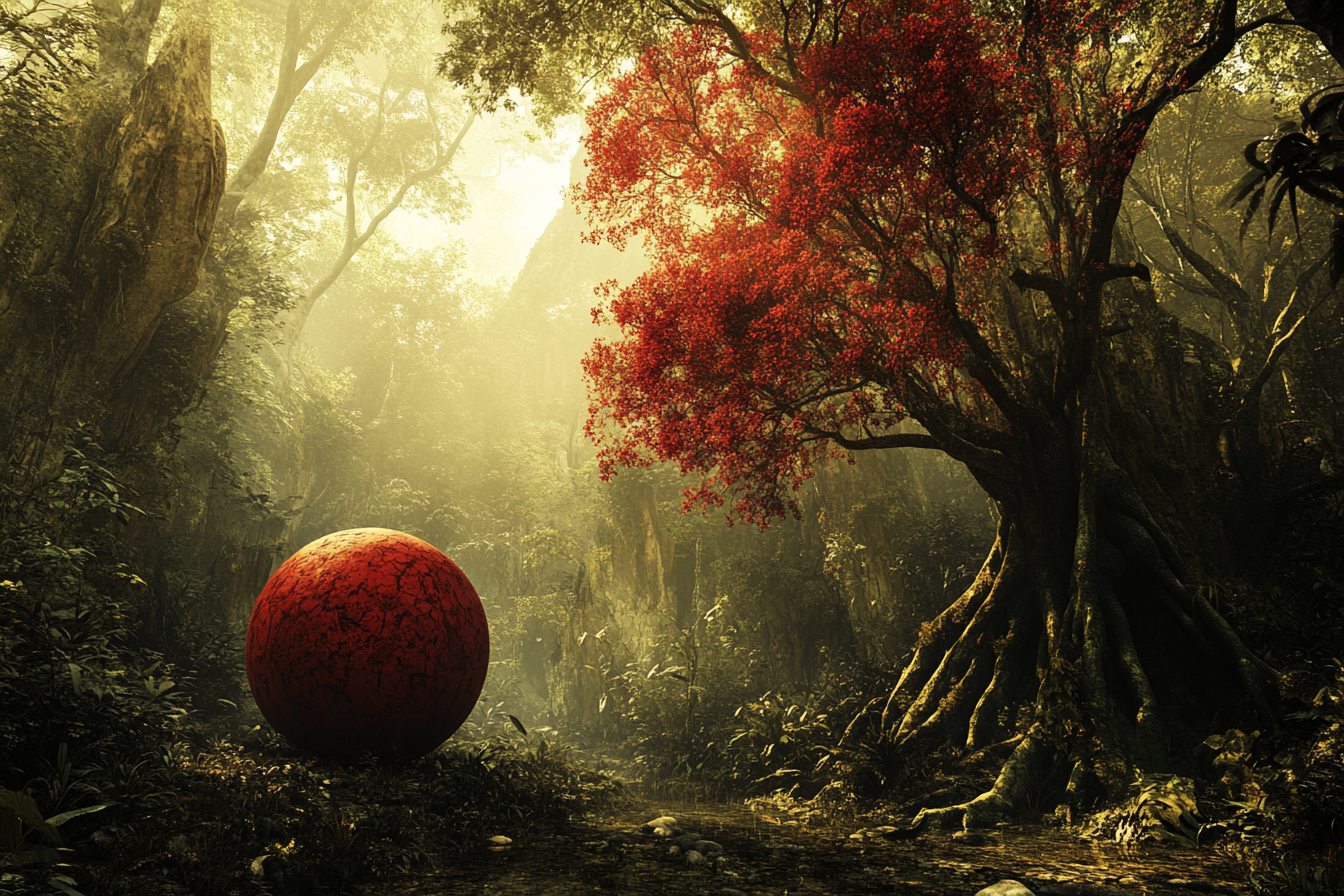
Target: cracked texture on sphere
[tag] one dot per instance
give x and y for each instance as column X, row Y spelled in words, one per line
column 367, row 640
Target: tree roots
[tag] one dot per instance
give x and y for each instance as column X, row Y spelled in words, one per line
column 1074, row 657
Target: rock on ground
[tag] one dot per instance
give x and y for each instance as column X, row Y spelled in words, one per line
column 708, row 847
column 1005, row 888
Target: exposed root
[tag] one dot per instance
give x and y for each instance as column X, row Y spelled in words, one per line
column 1148, row 728
column 861, row 722
column 1143, row 556
column 954, row 710
column 984, row 724
column 946, row 630
column 1123, row 564
column 1206, row 628
column 956, row 683
column 1024, row 770
column 949, row 695
column 1255, row 674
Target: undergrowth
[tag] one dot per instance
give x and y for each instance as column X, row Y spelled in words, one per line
column 128, row 769
column 254, row 809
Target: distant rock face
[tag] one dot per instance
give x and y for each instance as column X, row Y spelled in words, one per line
column 143, row 241
column 119, row 234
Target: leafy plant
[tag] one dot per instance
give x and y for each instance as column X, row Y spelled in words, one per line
column 1306, row 156
column 20, row 816
column 1296, row 877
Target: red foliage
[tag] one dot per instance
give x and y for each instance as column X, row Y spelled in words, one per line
column 823, row 220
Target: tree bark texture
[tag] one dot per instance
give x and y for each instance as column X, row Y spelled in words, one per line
column 150, row 225
column 1085, row 645
column 93, row 273
column 123, row 37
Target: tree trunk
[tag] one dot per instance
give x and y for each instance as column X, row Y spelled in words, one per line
column 146, row 235
column 95, row 267
column 1085, row 644
column 124, row 36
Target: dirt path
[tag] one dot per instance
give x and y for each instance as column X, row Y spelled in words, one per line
column 765, row 854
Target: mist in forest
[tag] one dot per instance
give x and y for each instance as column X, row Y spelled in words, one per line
column 914, row 429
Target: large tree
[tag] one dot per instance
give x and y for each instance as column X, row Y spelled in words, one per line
column 867, row 213
column 114, row 169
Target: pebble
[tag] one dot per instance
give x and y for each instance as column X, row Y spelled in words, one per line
column 708, row 847
column 498, row 840
column 267, row 867
column 698, row 852
column 687, row 841
column 1006, row 888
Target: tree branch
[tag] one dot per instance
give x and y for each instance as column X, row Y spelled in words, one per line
column 292, row 80
column 1052, row 286
column 893, row 440
column 1281, row 338
column 1121, row 271
column 1243, row 309
column 704, row 13
column 354, row 241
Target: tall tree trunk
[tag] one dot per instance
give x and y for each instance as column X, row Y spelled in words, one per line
column 1088, row 609
column 121, row 249
column 143, row 242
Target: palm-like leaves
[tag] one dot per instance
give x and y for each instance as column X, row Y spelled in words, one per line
column 1307, row 156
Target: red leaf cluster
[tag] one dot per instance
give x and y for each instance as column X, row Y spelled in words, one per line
column 823, row 217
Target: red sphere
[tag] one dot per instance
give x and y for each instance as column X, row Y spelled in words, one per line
column 367, row 640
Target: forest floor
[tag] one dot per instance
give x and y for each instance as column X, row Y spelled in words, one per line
column 769, row 852
column 258, row 817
